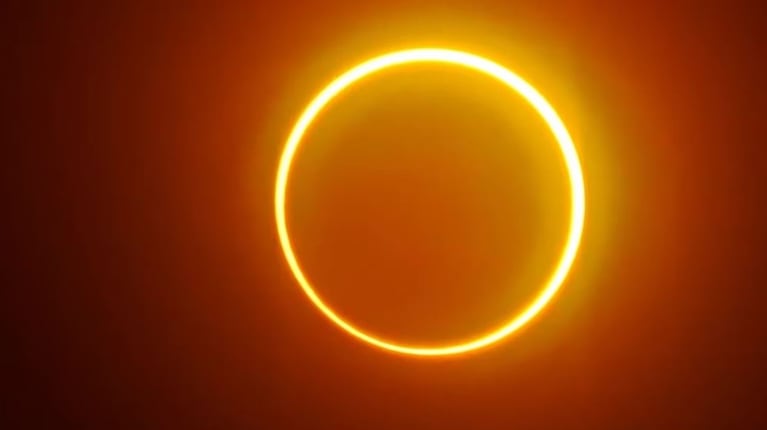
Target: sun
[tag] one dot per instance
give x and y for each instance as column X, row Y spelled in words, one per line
column 508, row 79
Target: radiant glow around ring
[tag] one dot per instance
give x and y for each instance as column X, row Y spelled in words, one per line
column 505, row 77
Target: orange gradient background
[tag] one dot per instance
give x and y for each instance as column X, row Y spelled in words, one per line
column 146, row 287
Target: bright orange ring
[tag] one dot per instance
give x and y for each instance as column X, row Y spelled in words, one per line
column 506, row 77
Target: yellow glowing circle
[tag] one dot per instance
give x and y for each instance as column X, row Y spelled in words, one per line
column 507, row 78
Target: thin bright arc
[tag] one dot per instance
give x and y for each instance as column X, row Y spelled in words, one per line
column 511, row 80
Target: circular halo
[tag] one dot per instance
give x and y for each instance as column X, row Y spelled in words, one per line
column 510, row 80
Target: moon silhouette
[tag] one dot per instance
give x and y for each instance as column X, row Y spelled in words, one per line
column 510, row 80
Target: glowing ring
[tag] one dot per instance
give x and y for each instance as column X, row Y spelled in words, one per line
column 511, row 80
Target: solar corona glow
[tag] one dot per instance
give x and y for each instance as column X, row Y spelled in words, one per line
column 504, row 77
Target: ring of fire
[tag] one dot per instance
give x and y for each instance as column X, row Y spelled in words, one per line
column 510, row 80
